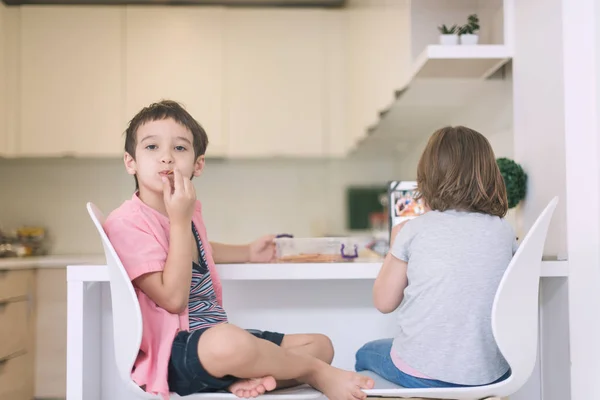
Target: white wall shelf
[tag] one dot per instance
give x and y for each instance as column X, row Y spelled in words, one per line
column 462, row 62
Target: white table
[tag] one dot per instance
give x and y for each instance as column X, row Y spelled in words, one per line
column 291, row 298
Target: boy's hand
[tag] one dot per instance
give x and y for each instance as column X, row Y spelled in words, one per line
column 262, row 249
column 180, row 198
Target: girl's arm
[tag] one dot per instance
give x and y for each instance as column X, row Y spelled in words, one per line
column 388, row 290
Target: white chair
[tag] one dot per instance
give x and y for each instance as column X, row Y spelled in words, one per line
column 127, row 330
column 514, row 324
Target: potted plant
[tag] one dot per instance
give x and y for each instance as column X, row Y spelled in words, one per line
column 448, row 35
column 468, row 32
column 515, row 180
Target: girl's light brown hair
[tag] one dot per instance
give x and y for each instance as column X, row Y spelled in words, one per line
column 458, row 171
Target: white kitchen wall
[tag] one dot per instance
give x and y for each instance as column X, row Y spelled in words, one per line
column 241, row 200
column 539, row 120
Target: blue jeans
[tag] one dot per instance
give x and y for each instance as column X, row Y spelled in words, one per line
column 375, row 356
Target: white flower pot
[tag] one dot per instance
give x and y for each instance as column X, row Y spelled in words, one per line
column 469, row 39
column 449, row 40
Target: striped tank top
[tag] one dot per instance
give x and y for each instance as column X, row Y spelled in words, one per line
column 204, row 310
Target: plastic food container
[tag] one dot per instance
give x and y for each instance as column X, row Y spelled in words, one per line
column 316, row 250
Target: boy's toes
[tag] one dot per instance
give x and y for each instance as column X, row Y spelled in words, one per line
column 269, row 383
column 260, row 389
column 364, row 382
column 358, row 394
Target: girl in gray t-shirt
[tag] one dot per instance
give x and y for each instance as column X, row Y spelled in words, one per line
column 443, row 270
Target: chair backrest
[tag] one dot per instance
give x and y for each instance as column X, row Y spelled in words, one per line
column 515, row 309
column 127, row 317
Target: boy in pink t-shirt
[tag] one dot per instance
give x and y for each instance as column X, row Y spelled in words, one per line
column 188, row 346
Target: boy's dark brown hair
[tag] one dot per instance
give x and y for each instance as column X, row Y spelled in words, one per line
column 163, row 110
column 458, row 171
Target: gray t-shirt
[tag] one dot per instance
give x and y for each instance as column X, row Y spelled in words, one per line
column 455, row 263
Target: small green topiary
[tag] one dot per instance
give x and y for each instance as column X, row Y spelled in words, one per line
column 515, row 179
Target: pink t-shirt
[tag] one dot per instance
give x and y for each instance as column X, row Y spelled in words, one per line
column 140, row 236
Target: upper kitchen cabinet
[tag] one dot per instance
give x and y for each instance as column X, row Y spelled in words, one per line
column 71, row 81
column 176, row 53
column 3, row 99
column 275, row 78
column 9, row 70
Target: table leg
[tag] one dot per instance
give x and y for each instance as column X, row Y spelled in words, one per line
column 75, row 302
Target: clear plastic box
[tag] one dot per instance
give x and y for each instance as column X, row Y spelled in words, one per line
column 316, row 250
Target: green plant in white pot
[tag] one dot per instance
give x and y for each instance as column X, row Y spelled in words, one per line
column 469, row 32
column 448, row 35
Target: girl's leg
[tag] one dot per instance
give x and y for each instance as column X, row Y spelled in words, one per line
column 375, row 356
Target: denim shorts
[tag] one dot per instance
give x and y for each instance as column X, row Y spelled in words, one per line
column 187, row 375
column 375, row 357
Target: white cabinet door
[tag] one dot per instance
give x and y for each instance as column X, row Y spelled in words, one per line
column 71, row 81
column 176, row 53
column 275, row 83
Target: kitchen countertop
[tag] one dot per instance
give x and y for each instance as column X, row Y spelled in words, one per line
column 359, row 269
column 52, row 261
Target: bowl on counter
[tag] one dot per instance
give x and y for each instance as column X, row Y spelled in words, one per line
column 317, row 250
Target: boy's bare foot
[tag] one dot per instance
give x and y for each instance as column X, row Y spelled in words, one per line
column 254, row 387
column 338, row 384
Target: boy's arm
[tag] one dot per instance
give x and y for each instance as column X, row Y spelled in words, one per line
column 229, row 253
column 170, row 288
column 388, row 290
column 261, row 250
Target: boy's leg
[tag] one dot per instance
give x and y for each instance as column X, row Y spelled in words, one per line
column 312, row 344
column 228, row 350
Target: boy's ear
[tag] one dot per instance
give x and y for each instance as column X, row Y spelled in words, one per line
column 130, row 164
column 199, row 166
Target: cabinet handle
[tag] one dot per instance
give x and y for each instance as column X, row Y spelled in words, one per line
column 5, row 302
column 4, row 360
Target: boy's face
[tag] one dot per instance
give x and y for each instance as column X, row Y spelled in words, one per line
column 161, row 147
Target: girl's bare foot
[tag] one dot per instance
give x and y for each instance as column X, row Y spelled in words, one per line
column 254, row 387
column 338, row 384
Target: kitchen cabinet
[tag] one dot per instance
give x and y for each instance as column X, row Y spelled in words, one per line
column 275, row 83
column 176, row 53
column 71, row 81
column 263, row 83
column 51, row 333
column 3, row 62
column 9, row 67
column 17, row 332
